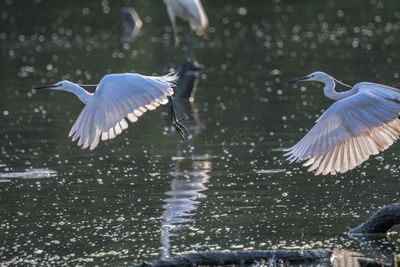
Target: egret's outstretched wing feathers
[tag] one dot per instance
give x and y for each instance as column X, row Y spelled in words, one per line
column 351, row 130
column 117, row 98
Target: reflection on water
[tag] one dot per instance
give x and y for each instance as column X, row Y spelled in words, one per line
column 270, row 171
column 27, row 174
column 345, row 258
column 106, row 204
column 379, row 247
column 183, row 199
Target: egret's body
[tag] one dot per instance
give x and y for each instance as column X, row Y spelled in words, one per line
column 191, row 11
column 118, row 98
column 362, row 122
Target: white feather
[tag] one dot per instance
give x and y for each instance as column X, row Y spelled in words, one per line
column 351, row 130
column 118, row 96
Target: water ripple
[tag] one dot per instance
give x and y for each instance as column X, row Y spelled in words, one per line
column 27, row 174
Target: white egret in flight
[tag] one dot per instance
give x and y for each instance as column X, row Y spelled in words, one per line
column 117, row 97
column 191, row 11
column 362, row 122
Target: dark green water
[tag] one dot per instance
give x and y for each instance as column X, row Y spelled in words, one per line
column 147, row 194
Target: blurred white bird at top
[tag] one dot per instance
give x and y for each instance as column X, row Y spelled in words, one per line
column 118, row 98
column 191, row 11
column 362, row 122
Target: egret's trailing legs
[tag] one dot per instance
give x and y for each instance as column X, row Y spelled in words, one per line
column 183, row 132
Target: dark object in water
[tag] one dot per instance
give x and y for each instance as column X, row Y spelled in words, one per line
column 380, row 222
column 189, row 74
column 244, row 257
column 131, row 24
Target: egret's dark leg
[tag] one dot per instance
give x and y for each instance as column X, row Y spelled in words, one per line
column 183, row 132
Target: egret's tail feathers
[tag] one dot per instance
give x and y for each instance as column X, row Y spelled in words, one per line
column 171, row 78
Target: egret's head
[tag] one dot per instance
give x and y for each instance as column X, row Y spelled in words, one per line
column 315, row 76
column 62, row 85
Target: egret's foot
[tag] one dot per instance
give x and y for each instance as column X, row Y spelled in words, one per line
column 176, row 123
column 183, row 132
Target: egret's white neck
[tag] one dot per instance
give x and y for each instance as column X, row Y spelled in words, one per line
column 330, row 92
column 81, row 93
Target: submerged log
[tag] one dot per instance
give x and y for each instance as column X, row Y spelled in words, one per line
column 380, row 222
column 243, row 257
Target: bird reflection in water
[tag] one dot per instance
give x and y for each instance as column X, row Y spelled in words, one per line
column 184, row 198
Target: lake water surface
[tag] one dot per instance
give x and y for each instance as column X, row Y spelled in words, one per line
column 147, row 194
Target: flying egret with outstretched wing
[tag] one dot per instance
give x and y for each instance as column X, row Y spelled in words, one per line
column 362, row 122
column 118, row 98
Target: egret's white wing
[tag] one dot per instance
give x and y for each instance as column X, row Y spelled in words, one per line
column 351, row 130
column 119, row 96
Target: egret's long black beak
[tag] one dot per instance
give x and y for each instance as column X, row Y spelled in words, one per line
column 303, row 78
column 45, row 87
